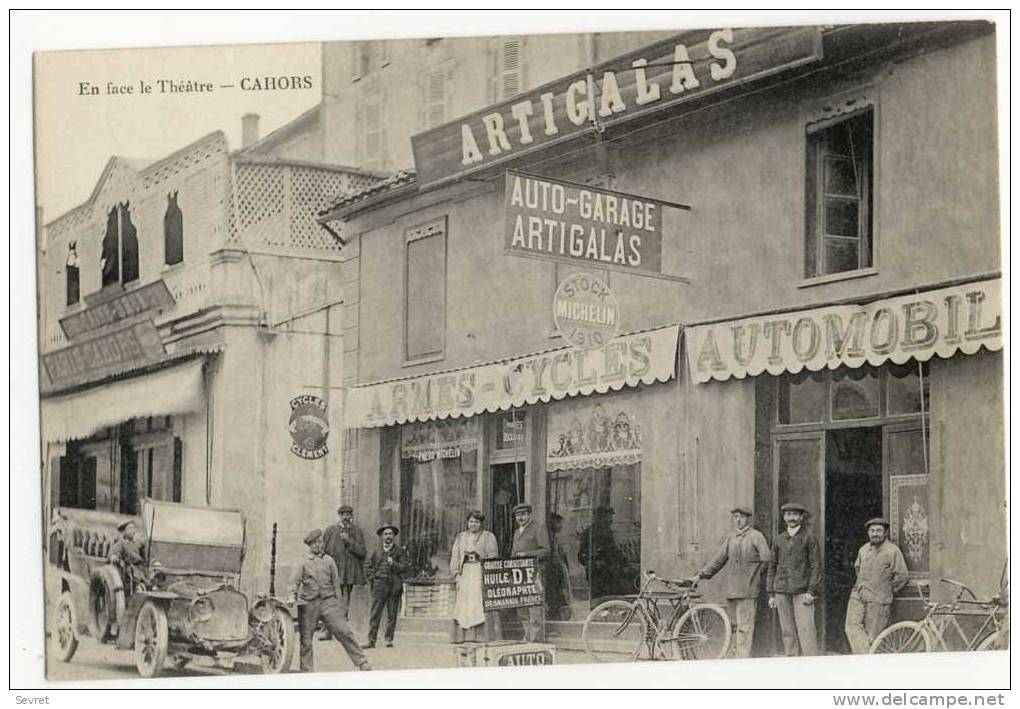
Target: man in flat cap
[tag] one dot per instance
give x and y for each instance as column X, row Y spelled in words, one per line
column 316, row 585
column 128, row 555
column 794, row 581
column 345, row 544
column 745, row 554
column 881, row 572
column 531, row 540
column 386, row 569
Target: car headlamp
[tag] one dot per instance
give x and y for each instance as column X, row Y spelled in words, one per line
column 263, row 610
column 202, row 609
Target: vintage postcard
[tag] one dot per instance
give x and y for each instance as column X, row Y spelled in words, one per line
column 574, row 349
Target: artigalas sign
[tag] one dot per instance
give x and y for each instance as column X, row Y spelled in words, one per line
column 673, row 71
column 564, row 221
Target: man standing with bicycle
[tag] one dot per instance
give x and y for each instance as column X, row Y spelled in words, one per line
column 745, row 552
column 881, row 572
column 794, row 581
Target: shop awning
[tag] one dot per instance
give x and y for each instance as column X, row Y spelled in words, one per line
column 630, row 360
column 943, row 321
column 164, row 392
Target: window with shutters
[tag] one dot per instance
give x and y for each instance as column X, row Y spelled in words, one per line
column 839, row 189
column 507, row 78
column 173, row 232
column 360, row 59
column 437, row 93
column 370, row 131
column 425, row 292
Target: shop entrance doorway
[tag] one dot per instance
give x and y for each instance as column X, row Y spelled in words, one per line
column 507, row 491
column 853, row 495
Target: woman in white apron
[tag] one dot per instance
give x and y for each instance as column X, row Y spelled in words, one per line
column 470, row 548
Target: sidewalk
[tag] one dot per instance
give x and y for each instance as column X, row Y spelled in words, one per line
column 408, row 653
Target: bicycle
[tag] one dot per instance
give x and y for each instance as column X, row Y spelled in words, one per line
column 620, row 630
column 931, row 632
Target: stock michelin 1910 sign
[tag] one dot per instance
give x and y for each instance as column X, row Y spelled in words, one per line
column 586, row 312
column 676, row 70
column 564, row 221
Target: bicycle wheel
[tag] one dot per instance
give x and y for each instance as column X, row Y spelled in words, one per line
column 994, row 641
column 702, row 633
column 615, row 631
column 905, row 636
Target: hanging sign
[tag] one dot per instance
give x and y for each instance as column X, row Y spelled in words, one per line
column 511, row 583
column 586, row 312
column 917, row 326
column 308, row 427
column 563, row 221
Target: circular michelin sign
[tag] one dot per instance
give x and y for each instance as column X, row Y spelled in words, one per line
column 586, row 312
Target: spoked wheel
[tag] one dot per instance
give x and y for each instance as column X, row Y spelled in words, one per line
column 278, row 650
column 615, row 631
column 66, row 630
column 702, row 633
column 151, row 639
column 906, row 636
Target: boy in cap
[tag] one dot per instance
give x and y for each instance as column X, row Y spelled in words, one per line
column 794, row 581
column 385, row 570
column 745, row 553
column 345, row 544
column 530, row 540
column 315, row 583
column 881, row 572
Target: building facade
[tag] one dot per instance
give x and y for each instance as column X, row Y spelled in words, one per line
column 828, row 330
column 190, row 342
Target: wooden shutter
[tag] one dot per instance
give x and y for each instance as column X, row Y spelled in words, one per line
column 510, row 70
column 178, row 480
column 435, row 96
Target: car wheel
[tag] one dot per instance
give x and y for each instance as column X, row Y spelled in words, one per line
column 278, row 650
column 151, row 640
column 66, row 628
column 106, row 602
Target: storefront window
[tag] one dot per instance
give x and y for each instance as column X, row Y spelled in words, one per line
column 438, row 486
column 904, row 389
column 594, row 505
column 802, row 398
column 856, row 394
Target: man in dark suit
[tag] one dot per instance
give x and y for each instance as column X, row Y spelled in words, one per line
column 531, row 539
column 345, row 544
column 386, row 569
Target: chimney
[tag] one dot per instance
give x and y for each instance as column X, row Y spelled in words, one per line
column 249, row 130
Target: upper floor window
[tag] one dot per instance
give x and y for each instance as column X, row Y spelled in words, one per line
column 72, row 274
column 367, row 56
column 839, row 199
column 506, row 75
column 425, row 291
column 173, row 232
column 119, row 262
column 370, row 131
column 437, row 92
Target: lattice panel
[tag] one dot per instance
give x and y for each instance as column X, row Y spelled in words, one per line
column 173, row 166
column 259, row 194
column 311, row 192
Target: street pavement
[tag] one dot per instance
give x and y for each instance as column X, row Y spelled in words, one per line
column 94, row 661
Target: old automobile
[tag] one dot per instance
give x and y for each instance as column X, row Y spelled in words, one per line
column 180, row 600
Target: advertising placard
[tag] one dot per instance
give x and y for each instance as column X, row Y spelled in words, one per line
column 510, row 583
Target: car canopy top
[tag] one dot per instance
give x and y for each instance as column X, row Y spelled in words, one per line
column 193, row 539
